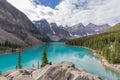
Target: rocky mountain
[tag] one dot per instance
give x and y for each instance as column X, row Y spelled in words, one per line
column 16, row 27
column 76, row 30
column 107, row 43
column 57, row 33
column 44, row 27
column 51, row 30
column 58, row 71
column 90, row 29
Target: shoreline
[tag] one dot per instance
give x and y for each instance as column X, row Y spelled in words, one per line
column 104, row 62
column 115, row 67
column 10, row 51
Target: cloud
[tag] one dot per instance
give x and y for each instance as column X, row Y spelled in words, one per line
column 70, row 12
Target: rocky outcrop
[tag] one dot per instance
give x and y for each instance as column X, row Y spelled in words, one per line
column 8, row 36
column 59, row 71
column 90, row 29
column 62, row 33
column 51, row 30
column 17, row 25
column 77, row 29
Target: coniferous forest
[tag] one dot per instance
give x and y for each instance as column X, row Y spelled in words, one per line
column 8, row 44
column 107, row 44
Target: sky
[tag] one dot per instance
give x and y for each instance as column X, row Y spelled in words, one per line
column 71, row 12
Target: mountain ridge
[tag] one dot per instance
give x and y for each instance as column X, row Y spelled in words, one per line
column 57, row 33
column 17, row 24
column 114, row 28
column 105, row 44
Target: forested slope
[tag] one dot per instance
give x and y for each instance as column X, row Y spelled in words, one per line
column 107, row 44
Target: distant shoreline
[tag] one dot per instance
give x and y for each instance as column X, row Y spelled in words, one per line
column 115, row 67
column 9, row 51
column 6, row 51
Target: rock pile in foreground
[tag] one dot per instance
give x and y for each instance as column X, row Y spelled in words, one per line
column 59, row 71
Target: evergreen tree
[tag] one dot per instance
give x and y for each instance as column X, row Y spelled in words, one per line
column 0, row 73
column 38, row 65
column 107, row 42
column 106, row 52
column 19, row 66
column 33, row 66
column 6, row 43
column 44, row 58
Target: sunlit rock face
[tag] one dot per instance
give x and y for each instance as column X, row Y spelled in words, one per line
column 57, row 33
column 58, row 71
column 51, row 30
column 18, row 25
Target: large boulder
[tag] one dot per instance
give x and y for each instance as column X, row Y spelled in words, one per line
column 62, row 71
column 58, row 71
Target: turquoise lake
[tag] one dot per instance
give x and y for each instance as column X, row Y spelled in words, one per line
column 57, row 52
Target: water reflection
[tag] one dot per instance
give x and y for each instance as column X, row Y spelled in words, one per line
column 58, row 52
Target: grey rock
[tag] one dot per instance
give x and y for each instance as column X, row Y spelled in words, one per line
column 62, row 71
column 90, row 29
column 43, row 26
column 51, row 30
column 58, row 71
column 3, row 78
column 17, row 25
column 62, row 33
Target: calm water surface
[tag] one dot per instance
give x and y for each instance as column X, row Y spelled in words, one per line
column 58, row 52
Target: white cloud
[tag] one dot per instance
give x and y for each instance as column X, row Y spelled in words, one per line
column 70, row 12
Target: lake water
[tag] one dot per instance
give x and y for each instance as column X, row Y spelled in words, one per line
column 58, row 52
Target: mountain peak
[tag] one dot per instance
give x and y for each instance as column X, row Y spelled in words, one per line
column 91, row 24
column 16, row 24
column 44, row 20
column 53, row 24
column 80, row 25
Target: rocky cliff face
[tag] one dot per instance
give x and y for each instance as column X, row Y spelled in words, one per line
column 18, row 25
column 56, row 33
column 81, row 30
column 51, row 30
column 77, row 29
column 59, row 71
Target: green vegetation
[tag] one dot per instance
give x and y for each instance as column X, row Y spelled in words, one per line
column 33, row 65
column 38, row 66
column 44, row 58
column 107, row 44
column 19, row 66
column 5, row 45
column 114, row 28
column 0, row 73
column 2, row 48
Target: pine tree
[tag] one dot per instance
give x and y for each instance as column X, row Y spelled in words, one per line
column 6, row 43
column 112, row 57
column 19, row 66
column 33, row 66
column 38, row 65
column 108, row 43
column 44, row 58
column 0, row 73
column 106, row 52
